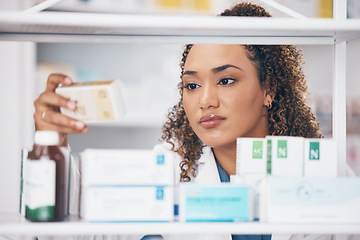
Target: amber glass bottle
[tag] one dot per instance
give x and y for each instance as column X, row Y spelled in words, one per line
column 45, row 183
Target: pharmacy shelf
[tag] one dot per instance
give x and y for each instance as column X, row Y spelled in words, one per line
column 14, row 224
column 96, row 27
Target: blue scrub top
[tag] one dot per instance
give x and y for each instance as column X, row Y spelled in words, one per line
column 224, row 177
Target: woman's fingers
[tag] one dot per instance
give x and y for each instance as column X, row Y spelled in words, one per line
column 55, row 79
column 48, row 98
column 56, row 121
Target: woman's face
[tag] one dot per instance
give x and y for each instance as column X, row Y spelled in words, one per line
column 222, row 96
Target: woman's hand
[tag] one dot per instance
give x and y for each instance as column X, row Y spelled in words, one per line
column 47, row 114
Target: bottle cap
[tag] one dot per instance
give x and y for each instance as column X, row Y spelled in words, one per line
column 46, row 138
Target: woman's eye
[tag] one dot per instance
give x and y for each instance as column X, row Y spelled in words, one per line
column 226, row 81
column 191, row 86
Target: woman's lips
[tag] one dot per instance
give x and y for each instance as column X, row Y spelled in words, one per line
column 210, row 121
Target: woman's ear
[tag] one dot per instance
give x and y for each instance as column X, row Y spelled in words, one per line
column 268, row 99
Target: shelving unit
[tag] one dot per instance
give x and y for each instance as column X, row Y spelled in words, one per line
column 12, row 224
column 118, row 28
column 95, row 27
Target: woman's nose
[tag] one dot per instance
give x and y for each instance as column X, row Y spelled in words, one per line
column 208, row 98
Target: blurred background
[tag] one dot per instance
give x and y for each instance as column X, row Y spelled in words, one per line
column 149, row 73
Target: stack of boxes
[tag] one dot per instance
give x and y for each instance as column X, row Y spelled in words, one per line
column 295, row 180
column 278, row 179
column 286, row 157
column 126, row 186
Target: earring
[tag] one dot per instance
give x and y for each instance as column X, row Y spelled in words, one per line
column 270, row 105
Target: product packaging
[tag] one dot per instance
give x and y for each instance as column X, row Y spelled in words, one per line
column 127, row 203
column 46, row 184
column 285, row 156
column 98, row 101
column 126, row 166
column 72, row 182
column 250, row 155
column 310, row 200
column 223, row 202
column 320, row 157
column 126, row 185
column 253, row 180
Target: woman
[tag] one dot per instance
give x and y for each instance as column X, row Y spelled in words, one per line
column 231, row 91
column 227, row 91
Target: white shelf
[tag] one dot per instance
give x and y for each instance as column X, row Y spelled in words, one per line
column 14, row 224
column 94, row 27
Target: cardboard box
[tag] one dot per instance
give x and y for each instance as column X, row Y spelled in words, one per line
column 126, row 167
column 99, row 101
column 320, row 157
column 251, row 155
column 285, row 156
column 311, row 200
column 224, row 202
column 125, row 203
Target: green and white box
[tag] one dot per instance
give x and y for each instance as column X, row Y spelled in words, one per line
column 250, row 156
column 320, row 157
column 285, row 156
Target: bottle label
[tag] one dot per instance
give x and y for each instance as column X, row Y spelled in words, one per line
column 40, row 186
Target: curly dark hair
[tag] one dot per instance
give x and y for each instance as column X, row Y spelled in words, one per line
column 279, row 69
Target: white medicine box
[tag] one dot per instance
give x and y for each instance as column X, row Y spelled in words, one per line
column 285, row 156
column 98, row 101
column 126, row 167
column 320, row 157
column 250, row 156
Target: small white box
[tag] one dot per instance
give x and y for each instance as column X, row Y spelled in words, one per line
column 125, row 166
column 250, row 155
column 311, row 200
column 127, row 203
column 223, row 202
column 98, row 101
column 285, row 156
column 320, row 157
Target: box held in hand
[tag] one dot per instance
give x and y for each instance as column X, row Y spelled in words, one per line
column 98, row 101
